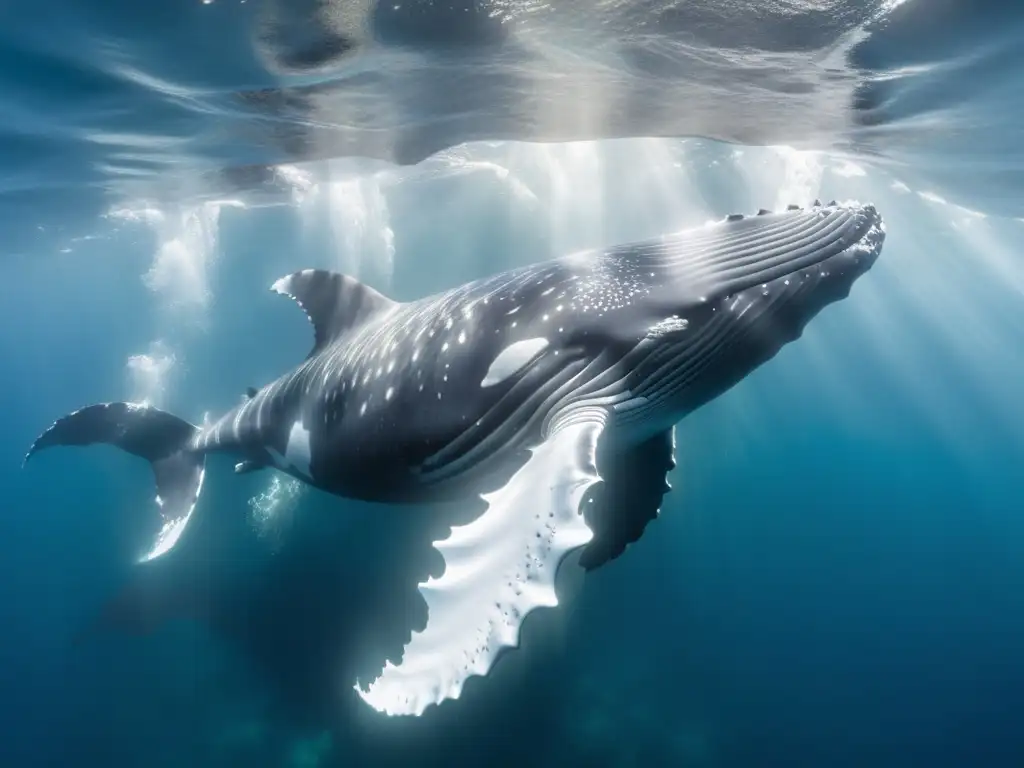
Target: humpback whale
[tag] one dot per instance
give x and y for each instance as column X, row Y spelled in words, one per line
column 551, row 391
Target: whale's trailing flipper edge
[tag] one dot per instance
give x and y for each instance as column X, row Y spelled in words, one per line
column 160, row 438
column 334, row 303
column 498, row 569
column 630, row 496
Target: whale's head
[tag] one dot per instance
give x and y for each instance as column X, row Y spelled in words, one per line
column 770, row 274
column 722, row 300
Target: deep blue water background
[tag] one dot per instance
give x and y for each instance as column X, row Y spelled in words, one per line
column 838, row 576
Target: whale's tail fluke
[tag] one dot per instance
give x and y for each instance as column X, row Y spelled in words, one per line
column 165, row 441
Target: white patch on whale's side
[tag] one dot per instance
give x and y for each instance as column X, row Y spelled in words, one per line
column 513, row 359
column 498, row 569
column 296, row 453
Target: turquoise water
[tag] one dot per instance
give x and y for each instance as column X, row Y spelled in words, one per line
column 836, row 578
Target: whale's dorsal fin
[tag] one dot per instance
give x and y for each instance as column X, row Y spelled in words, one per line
column 334, row 303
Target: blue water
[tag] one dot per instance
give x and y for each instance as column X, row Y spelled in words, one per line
column 838, row 576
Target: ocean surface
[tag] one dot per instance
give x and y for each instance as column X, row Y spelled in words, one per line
column 837, row 578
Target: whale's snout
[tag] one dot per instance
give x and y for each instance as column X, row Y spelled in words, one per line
column 819, row 250
column 811, row 288
column 863, row 247
column 794, row 263
column 826, row 247
column 742, row 289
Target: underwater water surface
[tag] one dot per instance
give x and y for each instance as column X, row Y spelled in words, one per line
column 837, row 576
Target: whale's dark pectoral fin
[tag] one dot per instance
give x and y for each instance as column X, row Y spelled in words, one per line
column 498, row 569
column 160, row 438
column 630, row 496
column 334, row 303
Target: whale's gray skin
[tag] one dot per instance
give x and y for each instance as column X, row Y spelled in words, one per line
column 552, row 390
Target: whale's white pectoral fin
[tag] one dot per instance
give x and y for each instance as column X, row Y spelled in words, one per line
column 498, row 569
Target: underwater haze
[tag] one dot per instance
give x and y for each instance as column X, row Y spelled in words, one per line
column 836, row 578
